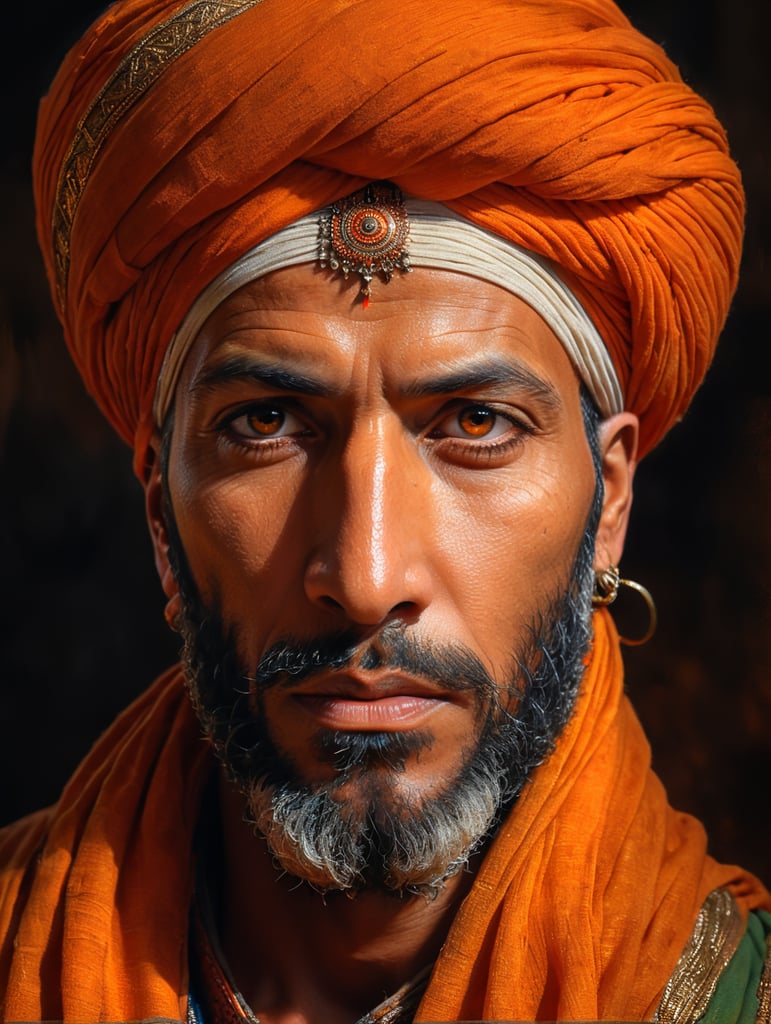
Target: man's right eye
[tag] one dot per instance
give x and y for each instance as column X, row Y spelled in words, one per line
column 265, row 420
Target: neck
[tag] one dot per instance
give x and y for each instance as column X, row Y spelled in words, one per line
column 296, row 954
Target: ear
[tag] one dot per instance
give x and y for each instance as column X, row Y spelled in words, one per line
column 618, row 444
column 156, row 521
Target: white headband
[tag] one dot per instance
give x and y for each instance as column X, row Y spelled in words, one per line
column 438, row 238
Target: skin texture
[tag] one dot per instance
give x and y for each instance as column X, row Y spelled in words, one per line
column 423, row 463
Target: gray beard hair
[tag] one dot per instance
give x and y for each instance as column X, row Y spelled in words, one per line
column 389, row 845
column 318, row 837
column 407, row 848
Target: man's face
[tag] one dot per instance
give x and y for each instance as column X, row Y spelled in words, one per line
column 414, row 477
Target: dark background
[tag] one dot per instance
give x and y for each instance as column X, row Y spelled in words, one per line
column 81, row 623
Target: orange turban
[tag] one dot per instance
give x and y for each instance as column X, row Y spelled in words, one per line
column 177, row 136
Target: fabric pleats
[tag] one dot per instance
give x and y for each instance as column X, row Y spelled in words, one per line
column 580, row 909
column 177, row 136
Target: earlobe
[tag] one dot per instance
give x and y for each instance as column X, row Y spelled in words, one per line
column 618, row 444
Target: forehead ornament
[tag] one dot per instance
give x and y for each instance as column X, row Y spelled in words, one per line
column 366, row 234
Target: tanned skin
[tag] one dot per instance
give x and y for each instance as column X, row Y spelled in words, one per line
column 334, row 468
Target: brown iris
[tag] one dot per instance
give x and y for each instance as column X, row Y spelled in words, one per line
column 476, row 420
column 266, row 420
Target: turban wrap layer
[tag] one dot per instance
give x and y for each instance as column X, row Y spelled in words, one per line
column 177, row 136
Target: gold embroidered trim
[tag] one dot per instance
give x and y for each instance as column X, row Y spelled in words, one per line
column 137, row 72
column 716, row 936
column 764, row 988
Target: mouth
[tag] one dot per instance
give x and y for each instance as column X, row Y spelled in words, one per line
column 370, row 701
column 380, row 714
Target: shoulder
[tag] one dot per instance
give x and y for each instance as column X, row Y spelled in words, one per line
column 20, row 845
column 724, row 973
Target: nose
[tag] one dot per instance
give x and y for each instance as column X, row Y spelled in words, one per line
column 371, row 562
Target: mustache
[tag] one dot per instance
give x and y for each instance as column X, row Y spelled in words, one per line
column 451, row 666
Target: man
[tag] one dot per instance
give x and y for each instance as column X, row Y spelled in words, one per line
column 388, row 317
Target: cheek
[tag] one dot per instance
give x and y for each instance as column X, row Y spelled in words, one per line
column 509, row 550
column 239, row 537
column 529, row 523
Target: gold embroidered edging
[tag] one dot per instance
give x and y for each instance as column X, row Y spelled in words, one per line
column 764, row 988
column 136, row 73
column 716, row 936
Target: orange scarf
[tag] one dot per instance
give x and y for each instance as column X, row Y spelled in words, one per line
column 580, row 910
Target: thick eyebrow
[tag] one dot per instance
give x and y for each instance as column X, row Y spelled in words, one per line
column 250, row 370
column 490, row 373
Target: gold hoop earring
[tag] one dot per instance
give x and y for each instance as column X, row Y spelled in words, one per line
column 606, row 584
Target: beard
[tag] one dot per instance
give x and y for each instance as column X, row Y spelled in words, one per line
column 384, row 841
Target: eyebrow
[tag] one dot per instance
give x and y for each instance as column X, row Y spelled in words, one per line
column 248, row 369
column 490, row 373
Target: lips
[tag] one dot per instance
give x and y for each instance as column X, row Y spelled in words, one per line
column 380, row 714
column 369, row 702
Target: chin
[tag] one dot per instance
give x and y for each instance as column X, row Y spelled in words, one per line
column 362, row 835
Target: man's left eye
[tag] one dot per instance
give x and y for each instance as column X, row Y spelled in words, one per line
column 475, row 422
column 265, row 421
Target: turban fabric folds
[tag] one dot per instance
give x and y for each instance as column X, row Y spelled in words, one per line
column 177, row 136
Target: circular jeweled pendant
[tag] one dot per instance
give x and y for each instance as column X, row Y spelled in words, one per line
column 366, row 233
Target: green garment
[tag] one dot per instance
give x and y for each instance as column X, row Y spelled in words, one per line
column 736, row 999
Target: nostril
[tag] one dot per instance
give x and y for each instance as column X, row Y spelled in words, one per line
column 403, row 608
